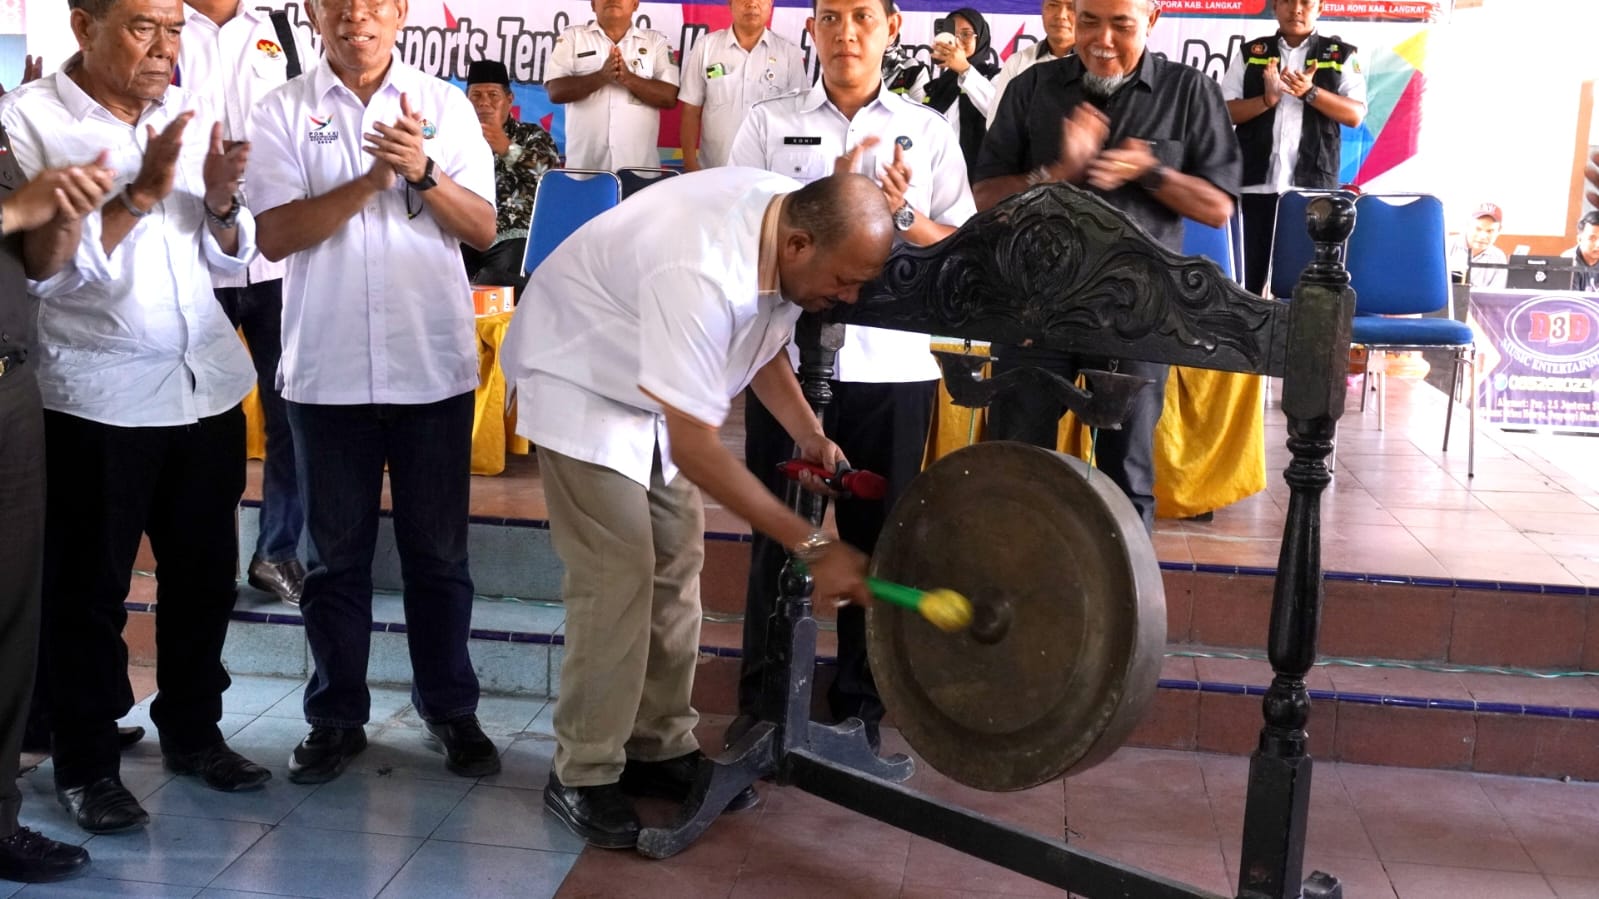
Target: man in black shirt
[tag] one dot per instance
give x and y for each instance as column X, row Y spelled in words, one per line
column 1151, row 137
column 39, row 230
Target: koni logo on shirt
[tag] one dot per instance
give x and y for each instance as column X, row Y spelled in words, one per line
column 322, row 131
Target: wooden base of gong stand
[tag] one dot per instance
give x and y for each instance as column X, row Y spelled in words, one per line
column 1060, row 269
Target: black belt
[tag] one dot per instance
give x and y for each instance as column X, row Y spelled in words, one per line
column 10, row 362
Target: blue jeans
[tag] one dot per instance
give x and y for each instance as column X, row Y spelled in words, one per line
column 341, row 451
column 257, row 310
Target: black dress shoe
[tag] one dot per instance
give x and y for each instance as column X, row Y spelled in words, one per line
column 467, row 750
column 129, row 737
column 674, row 778
column 285, row 580
column 219, row 767
column 31, row 857
column 601, row 815
column 324, row 752
column 104, row 806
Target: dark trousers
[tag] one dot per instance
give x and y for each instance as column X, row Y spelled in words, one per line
column 342, row 451
column 499, row 264
column 22, row 474
column 181, row 486
column 257, row 310
column 1127, row 456
column 881, row 428
column 1260, row 222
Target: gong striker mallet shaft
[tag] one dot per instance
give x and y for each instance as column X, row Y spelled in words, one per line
column 945, row 609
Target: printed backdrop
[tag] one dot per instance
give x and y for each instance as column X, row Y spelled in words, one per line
column 1539, row 363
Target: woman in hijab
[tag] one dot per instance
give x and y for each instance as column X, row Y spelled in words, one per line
column 964, row 91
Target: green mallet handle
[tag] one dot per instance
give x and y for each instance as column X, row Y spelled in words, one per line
column 898, row 594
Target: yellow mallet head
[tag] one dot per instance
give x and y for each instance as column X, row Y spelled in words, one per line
column 947, row 610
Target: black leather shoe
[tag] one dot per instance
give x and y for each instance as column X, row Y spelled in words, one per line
column 674, row 778
column 601, row 815
column 129, row 737
column 285, row 580
column 467, row 750
column 324, row 753
column 104, row 806
column 219, row 767
column 28, row 856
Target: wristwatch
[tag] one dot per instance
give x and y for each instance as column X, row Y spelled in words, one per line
column 813, row 547
column 425, row 182
column 1310, row 96
column 224, row 221
column 1153, row 179
column 904, row 217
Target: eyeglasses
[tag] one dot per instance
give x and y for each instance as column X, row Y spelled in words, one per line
column 966, row 35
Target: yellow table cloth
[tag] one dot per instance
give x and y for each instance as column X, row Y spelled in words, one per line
column 1210, row 448
column 493, row 428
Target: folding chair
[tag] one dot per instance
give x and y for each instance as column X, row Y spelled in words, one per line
column 565, row 200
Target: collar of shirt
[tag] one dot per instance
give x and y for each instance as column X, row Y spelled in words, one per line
column 1042, row 50
column 400, row 78
column 78, row 102
column 632, row 31
column 1147, row 72
column 1282, row 42
column 767, row 281
column 816, row 96
column 193, row 16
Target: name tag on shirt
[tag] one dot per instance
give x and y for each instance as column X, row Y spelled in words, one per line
column 715, row 71
column 802, row 141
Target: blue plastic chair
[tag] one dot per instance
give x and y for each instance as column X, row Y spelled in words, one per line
column 1215, row 244
column 1291, row 246
column 1397, row 267
column 636, row 178
column 565, row 200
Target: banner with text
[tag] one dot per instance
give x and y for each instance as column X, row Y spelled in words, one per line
column 1538, row 359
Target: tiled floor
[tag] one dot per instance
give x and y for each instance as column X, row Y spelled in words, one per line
column 397, row 824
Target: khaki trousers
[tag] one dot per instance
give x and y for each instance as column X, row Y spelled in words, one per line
column 632, row 595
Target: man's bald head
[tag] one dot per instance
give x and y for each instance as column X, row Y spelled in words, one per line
column 835, row 234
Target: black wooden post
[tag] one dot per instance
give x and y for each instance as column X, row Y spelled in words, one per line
column 1278, row 804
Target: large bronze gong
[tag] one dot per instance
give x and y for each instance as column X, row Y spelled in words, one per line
column 1069, row 622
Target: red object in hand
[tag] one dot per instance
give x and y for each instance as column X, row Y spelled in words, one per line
column 859, row 484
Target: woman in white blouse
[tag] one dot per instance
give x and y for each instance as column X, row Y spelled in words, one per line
column 964, row 90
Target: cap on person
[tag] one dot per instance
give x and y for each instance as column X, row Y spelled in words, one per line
column 488, row 71
column 1485, row 210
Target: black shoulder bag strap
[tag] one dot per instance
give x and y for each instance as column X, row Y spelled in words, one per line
column 280, row 21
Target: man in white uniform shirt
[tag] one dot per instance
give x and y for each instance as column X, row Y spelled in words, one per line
column 369, row 175
column 141, row 378
column 1288, row 94
column 1059, row 38
column 233, row 54
column 726, row 73
column 615, row 79
column 886, row 380
column 626, row 356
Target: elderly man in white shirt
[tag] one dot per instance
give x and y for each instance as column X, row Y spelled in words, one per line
column 1060, row 36
column 233, row 54
column 141, row 378
column 887, row 380
column 369, row 175
column 726, row 73
column 615, row 79
column 626, row 355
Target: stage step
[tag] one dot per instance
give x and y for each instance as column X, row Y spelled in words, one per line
column 1407, row 676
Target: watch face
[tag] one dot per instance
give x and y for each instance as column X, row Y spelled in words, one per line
column 904, row 217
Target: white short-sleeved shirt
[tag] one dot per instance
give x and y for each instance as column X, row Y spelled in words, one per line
column 611, row 128
column 725, row 80
column 1019, row 62
column 134, row 338
column 607, row 317
column 1288, row 127
column 381, row 311
column 800, row 135
column 977, row 89
column 234, row 65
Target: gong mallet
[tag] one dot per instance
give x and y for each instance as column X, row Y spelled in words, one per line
column 945, row 609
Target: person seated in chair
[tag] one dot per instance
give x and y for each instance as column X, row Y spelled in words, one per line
column 1473, row 250
column 523, row 152
column 1585, row 255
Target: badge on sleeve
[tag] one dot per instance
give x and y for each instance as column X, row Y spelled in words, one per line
column 903, row 141
column 1257, row 49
